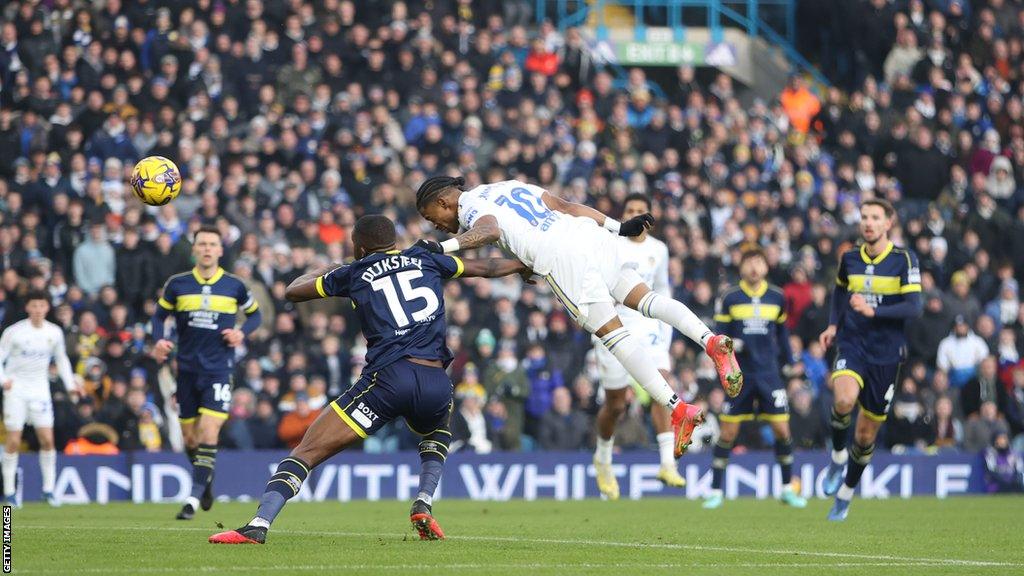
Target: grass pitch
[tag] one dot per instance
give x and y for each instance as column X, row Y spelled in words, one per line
column 960, row 536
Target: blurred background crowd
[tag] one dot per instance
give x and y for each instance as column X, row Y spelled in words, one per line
column 290, row 119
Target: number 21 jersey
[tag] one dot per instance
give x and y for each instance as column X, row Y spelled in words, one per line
column 398, row 298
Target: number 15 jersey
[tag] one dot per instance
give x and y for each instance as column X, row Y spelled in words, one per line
column 398, row 298
column 529, row 229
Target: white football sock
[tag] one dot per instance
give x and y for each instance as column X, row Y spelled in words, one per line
column 840, row 456
column 426, row 498
column 259, row 522
column 666, row 448
column 845, row 493
column 193, row 501
column 9, row 467
column 603, row 451
column 675, row 314
column 48, row 467
column 628, row 351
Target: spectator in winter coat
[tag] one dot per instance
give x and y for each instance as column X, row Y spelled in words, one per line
column 1004, row 310
column 95, row 262
column 960, row 353
column 543, row 382
column 294, row 424
column 984, row 387
column 805, row 422
column 563, row 427
column 980, row 430
column 1004, row 467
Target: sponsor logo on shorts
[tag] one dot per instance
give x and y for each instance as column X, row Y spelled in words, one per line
column 364, row 415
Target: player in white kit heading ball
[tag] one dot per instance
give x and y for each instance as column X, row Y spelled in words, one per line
column 26, row 349
column 576, row 249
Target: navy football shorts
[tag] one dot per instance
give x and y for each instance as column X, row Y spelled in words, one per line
column 202, row 393
column 762, row 394
column 877, row 382
column 420, row 394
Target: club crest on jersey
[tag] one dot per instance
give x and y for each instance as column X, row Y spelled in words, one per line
column 206, row 292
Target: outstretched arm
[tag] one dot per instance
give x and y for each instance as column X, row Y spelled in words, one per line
column 573, row 209
column 485, row 231
column 492, row 268
column 303, row 288
column 632, row 227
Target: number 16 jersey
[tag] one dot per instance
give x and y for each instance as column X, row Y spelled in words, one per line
column 399, row 300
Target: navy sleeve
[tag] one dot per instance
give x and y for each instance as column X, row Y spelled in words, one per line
column 722, row 317
column 911, row 307
column 450, row 266
column 785, row 350
column 910, row 279
column 245, row 299
column 839, row 295
column 335, row 283
column 164, row 308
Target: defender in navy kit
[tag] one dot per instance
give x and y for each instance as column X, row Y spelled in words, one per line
column 398, row 297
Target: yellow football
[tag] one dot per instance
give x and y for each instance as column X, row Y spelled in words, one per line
column 156, row 180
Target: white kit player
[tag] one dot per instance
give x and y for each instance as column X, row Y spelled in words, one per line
column 649, row 257
column 577, row 251
column 26, row 349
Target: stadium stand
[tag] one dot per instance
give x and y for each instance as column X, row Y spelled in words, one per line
column 291, row 119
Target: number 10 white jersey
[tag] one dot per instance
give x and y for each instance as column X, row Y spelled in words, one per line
column 529, row 229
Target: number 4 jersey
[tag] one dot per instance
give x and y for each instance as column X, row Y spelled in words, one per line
column 399, row 300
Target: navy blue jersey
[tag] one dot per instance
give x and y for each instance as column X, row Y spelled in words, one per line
column 202, row 310
column 399, row 300
column 758, row 318
column 884, row 281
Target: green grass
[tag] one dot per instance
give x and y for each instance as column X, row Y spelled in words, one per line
column 655, row 536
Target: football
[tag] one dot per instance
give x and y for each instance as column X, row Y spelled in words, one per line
column 156, row 180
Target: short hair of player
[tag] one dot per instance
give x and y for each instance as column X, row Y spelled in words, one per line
column 37, row 295
column 751, row 253
column 638, row 197
column 206, row 229
column 434, row 185
column 882, row 203
column 374, row 232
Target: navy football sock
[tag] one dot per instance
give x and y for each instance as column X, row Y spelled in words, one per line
column 840, row 423
column 860, row 456
column 720, row 459
column 433, row 452
column 283, row 485
column 202, row 468
column 784, row 456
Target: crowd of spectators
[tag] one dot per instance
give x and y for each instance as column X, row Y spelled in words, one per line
column 291, row 119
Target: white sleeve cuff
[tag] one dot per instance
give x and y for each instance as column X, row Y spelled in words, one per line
column 612, row 225
column 450, row 245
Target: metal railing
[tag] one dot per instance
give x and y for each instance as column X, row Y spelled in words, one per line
column 773, row 20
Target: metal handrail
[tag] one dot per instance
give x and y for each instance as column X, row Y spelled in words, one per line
column 574, row 13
